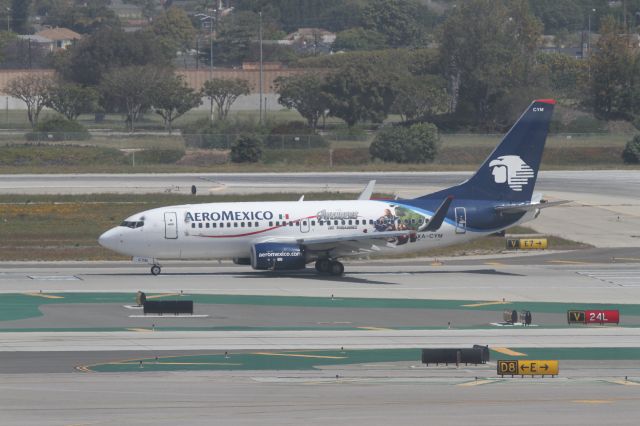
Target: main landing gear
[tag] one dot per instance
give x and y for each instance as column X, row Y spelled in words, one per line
column 156, row 269
column 327, row 266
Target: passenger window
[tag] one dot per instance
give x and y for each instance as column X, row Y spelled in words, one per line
column 200, row 225
column 235, row 224
column 193, row 225
column 271, row 224
column 207, row 225
column 313, row 223
column 242, row 224
column 213, row 225
column 257, row 224
column 350, row 222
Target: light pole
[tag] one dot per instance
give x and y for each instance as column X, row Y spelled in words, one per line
column 8, row 19
column 589, row 44
column 261, row 71
column 203, row 17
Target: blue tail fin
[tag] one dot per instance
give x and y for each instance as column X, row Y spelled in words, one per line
column 510, row 172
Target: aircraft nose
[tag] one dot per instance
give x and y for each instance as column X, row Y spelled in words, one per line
column 109, row 239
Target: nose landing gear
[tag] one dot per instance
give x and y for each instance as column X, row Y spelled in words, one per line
column 156, row 269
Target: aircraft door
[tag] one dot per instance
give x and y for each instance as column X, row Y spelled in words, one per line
column 170, row 225
column 305, row 225
column 461, row 220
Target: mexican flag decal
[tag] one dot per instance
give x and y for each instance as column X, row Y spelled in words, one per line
column 284, row 216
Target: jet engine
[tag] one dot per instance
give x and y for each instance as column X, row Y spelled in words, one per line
column 277, row 256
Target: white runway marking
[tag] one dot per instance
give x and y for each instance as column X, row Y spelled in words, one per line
column 621, row 278
column 54, row 277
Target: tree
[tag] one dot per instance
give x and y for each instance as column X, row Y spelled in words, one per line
column 82, row 16
column 20, row 16
column 246, row 149
column 399, row 21
column 173, row 27
column 92, row 57
column 400, row 144
column 631, row 153
column 304, row 94
column 172, row 98
column 224, row 92
column 487, row 48
column 612, row 73
column 33, row 90
column 420, row 96
column 132, row 89
column 71, row 100
column 359, row 91
column 359, row 39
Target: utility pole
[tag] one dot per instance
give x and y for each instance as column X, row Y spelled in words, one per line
column 260, row 83
column 589, row 45
column 8, row 19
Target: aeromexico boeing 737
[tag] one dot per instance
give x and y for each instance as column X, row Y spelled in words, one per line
column 290, row 235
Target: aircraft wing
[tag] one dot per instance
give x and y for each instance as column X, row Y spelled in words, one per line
column 353, row 244
column 367, row 191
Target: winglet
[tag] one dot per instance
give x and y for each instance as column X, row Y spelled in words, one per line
column 367, row 191
column 438, row 217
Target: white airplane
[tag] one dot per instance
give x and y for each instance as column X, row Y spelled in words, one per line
column 290, row 235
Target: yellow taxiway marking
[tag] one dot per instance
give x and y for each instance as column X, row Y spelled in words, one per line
column 568, row 262
column 507, row 351
column 627, row 258
column 46, row 296
column 476, row 383
column 141, row 330
column 475, row 305
column 625, row 382
column 593, row 401
column 300, row 355
column 375, row 328
column 437, row 263
column 173, row 363
column 158, row 296
column 494, row 263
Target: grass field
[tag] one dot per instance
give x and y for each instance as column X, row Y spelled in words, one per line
column 67, row 227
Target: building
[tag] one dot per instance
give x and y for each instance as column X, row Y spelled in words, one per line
column 59, row 38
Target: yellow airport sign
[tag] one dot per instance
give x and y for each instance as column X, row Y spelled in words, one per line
column 527, row 367
column 527, row 243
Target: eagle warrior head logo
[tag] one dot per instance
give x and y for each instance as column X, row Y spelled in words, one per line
column 510, row 169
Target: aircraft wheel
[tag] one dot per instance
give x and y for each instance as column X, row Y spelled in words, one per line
column 323, row 265
column 337, row 268
column 155, row 270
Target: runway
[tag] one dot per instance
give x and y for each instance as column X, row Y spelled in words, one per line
column 607, row 182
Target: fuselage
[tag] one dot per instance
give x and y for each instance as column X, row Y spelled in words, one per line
column 229, row 230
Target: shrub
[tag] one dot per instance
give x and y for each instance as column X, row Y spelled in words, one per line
column 58, row 129
column 631, row 153
column 159, row 156
column 415, row 144
column 220, row 134
column 247, row 149
column 59, row 155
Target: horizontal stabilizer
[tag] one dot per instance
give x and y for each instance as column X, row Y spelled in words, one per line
column 438, row 217
column 525, row 207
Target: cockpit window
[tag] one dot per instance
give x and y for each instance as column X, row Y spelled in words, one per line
column 133, row 224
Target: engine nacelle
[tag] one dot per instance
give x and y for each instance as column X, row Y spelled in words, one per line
column 242, row 260
column 277, row 256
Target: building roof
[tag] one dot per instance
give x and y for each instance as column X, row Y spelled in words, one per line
column 59, row 34
column 35, row 38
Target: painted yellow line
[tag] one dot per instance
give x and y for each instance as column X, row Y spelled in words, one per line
column 158, row 296
column 593, row 401
column 625, row 382
column 375, row 328
column 141, row 330
column 476, row 383
column 568, row 262
column 46, row 296
column 475, row 305
column 437, row 264
column 507, row 351
column 300, row 355
column 494, row 263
